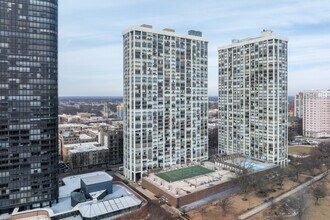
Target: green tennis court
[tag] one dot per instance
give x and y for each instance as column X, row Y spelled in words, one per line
column 183, row 173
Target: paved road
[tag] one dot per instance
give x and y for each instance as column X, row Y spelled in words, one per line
column 283, row 196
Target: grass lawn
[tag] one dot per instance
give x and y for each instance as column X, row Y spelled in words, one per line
column 299, row 150
column 184, row 173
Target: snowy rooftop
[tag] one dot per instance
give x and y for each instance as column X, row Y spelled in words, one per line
column 87, row 148
column 95, row 195
column 85, row 137
column 93, row 209
column 72, row 125
column 93, row 131
column 121, row 198
column 73, row 182
column 90, row 180
column 84, row 147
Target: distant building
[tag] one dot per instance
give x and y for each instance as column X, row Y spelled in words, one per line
column 120, row 112
column 165, row 99
column 78, row 127
column 67, row 137
column 106, row 111
column 112, row 138
column 316, row 116
column 253, row 106
column 86, row 155
column 298, row 105
column 71, row 136
column 97, row 134
column 291, row 109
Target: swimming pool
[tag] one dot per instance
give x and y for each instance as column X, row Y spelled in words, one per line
column 253, row 165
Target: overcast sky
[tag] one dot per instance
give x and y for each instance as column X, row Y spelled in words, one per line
column 90, row 37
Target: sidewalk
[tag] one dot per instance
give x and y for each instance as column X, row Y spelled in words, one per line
column 283, row 196
column 218, row 196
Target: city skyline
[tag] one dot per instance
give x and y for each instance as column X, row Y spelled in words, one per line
column 90, row 45
column 164, row 110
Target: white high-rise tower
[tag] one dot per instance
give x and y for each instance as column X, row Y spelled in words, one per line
column 253, row 104
column 165, row 99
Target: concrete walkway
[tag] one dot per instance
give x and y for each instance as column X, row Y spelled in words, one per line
column 283, row 196
column 218, row 196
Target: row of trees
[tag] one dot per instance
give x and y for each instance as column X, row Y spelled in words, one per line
column 263, row 184
column 298, row 204
column 295, row 205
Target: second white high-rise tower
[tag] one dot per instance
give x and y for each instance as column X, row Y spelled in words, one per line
column 253, row 97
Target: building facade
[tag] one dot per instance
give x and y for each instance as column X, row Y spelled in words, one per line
column 298, row 105
column 86, row 156
column 28, row 104
column 253, row 104
column 316, row 117
column 165, row 99
column 71, row 136
column 112, row 137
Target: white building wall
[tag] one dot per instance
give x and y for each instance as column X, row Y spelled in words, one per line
column 165, row 99
column 253, row 95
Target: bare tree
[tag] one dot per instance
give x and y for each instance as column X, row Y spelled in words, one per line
column 261, row 185
column 177, row 190
column 316, row 157
column 299, row 204
column 203, row 211
column 242, row 175
column 319, row 192
column 310, row 163
column 291, row 134
column 294, row 172
column 280, row 175
column 284, row 207
column 226, row 205
column 321, row 154
column 245, row 184
column 156, row 212
column 278, row 216
column 324, row 147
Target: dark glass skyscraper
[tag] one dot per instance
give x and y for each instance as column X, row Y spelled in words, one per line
column 28, row 103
